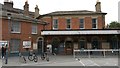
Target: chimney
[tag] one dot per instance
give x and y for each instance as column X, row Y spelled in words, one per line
column 36, row 12
column 98, row 6
column 8, row 3
column 26, row 9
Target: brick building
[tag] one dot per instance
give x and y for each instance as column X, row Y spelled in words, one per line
column 69, row 30
column 63, row 31
column 19, row 28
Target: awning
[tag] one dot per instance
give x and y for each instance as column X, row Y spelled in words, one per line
column 79, row 32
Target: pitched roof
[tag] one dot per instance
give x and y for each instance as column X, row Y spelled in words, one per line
column 16, row 13
column 15, row 10
column 77, row 12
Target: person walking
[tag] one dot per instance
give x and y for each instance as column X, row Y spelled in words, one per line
column 3, row 52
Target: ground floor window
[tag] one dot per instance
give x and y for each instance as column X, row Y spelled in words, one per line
column 61, row 47
column 55, row 45
column 95, row 43
column 114, row 43
column 14, row 45
column 82, row 43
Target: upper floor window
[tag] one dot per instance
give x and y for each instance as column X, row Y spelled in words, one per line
column 34, row 29
column 55, row 24
column 16, row 26
column 68, row 23
column 94, row 23
column 81, row 23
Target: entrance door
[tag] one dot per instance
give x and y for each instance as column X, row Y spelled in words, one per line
column 40, row 44
column 69, row 47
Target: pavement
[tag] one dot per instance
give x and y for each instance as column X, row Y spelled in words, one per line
column 63, row 60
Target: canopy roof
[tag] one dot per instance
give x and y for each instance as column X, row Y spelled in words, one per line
column 79, row 32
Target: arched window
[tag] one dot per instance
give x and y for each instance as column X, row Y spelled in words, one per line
column 114, row 43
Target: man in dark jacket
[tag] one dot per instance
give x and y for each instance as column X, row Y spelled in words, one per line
column 3, row 51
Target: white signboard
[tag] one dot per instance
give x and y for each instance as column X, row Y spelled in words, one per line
column 26, row 44
column 35, row 46
column 3, row 43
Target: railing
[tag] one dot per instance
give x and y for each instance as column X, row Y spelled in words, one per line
column 95, row 50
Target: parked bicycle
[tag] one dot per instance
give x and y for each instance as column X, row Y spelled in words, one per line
column 45, row 56
column 32, row 56
column 22, row 59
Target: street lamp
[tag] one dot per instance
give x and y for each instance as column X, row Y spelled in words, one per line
column 9, row 30
column 43, row 44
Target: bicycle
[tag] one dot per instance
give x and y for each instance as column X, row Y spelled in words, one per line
column 45, row 56
column 33, row 57
column 22, row 58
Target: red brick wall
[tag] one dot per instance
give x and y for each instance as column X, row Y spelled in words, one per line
column 75, row 22
column 26, row 28
column 88, row 22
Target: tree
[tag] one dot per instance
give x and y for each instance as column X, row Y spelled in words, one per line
column 114, row 25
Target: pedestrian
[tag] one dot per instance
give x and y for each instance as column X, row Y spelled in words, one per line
column 5, row 48
column 6, row 57
column 3, row 51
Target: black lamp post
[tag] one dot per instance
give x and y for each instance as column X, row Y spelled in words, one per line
column 44, row 24
column 9, row 30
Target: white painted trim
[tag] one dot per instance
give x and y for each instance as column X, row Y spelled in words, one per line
column 78, row 32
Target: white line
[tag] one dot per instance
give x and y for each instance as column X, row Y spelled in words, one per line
column 93, row 62
column 82, row 63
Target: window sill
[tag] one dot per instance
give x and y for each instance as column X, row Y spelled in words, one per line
column 16, row 32
column 34, row 33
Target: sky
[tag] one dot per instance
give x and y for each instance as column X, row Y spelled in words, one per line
column 48, row 6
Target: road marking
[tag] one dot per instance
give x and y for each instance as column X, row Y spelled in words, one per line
column 81, row 62
column 93, row 62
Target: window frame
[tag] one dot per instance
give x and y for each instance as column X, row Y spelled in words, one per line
column 55, row 24
column 81, row 23
column 68, row 24
column 34, row 26
column 15, row 25
column 94, row 23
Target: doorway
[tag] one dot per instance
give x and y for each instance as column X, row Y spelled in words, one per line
column 40, row 45
column 69, row 47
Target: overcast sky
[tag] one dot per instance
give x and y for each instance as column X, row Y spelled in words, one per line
column 47, row 6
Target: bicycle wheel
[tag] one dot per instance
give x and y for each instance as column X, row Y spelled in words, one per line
column 35, row 58
column 30, row 58
column 47, row 59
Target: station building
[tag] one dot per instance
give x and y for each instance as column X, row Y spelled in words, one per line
column 63, row 31
column 81, row 29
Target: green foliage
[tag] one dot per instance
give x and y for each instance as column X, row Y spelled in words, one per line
column 114, row 25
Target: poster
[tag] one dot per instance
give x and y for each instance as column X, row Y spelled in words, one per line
column 26, row 44
column 3, row 43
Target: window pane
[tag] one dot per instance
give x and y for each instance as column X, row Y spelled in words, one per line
column 34, row 29
column 68, row 23
column 55, row 24
column 15, row 26
column 94, row 23
column 14, row 45
column 81, row 23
